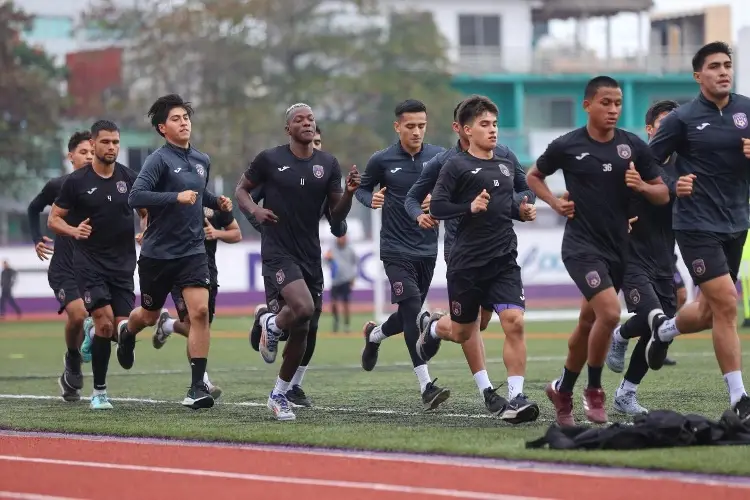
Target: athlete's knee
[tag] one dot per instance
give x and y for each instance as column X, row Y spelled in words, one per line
column 512, row 323
column 104, row 328
column 462, row 332
column 76, row 315
column 198, row 315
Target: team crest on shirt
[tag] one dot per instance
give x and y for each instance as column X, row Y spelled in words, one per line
column 61, row 295
column 87, row 297
column 122, row 188
column 200, row 169
column 593, row 279
column 280, row 277
column 318, row 171
column 504, row 170
column 456, row 308
column 624, row 151
column 398, row 288
column 699, row 267
column 273, row 306
column 635, row 296
column 740, row 120
column 208, row 212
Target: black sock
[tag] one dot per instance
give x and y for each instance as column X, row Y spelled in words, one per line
column 74, row 353
column 595, row 377
column 409, row 310
column 636, row 326
column 638, row 366
column 568, row 380
column 393, row 325
column 101, row 348
column 198, row 366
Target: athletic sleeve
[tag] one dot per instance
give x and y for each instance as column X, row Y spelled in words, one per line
column 669, row 137
column 372, row 177
column 257, row 172
column 419, row 191
column 45, row 198
column 334, row 182
column 520, row 186
column 66, row 198
column 644, row 160
column 441, row 206
column 549, row 162
column 142, row 194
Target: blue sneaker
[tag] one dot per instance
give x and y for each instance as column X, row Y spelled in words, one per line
column 88, row 325
column 100, row 402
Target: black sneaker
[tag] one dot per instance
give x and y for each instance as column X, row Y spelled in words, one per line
column 256, row 331
column 495, row 403
column 520, row 410
column 72, row 374
column 656, row 349
column 198, row 397
column 433, row 396
column 742, row 408
column 125, row 347
column 427, row 345
column 297, row 397
column 68, row 393
column 371, row 349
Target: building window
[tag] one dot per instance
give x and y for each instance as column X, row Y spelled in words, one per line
column 550, row 112
column 478, row 31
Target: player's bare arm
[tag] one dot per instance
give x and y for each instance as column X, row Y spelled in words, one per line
column 248, row 205
column 56, row 222
column 537, row 183
column 341, row 203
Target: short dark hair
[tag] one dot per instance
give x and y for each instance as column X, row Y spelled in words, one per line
column 474, row 107
column 103, row 125
column 657, row 109
column 77, row 138
column 410, row 106
column 159, row 110
column 318, row 131
column 599, row 82
column 699, row 59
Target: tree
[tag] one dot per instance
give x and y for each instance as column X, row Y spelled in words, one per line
column 30, row 106
column 243, row 62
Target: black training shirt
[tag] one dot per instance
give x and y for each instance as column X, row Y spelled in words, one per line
column 62, row 257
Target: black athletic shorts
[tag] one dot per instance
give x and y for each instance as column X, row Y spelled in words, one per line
column 280, row 272
column 100, row 289
column 182, row 312
column 65, row 287
column 710, row 255
column 593, row 273
column 341, row 292
column 497, row 285
column 158, row 277
column 643, row 294
column 409, row 277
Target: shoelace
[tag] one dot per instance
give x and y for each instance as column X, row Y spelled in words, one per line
column 281, row 400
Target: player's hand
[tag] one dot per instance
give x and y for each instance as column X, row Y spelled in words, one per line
column 480, row 202
column 426, row 204
column 209, row 230
column 353, row 179
column 426, row 221
column 82, row 231
column 187, row 197
column 139, row 238
column 565, row 207
column 378, row 199
column 225, row 204
column 631, row 222
column 746, row 147
column 265, row 217
column 684, row 185
column 44, row 249
column 526, row 211
column 633, row 179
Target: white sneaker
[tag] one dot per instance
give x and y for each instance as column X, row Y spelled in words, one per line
column 279, row 404
column 160, row 336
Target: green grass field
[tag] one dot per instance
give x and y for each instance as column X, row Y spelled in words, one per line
column 354, row 409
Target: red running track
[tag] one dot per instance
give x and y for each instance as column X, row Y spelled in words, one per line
column 47, row 467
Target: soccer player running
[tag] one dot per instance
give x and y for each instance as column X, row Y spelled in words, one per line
column 295, row 395
column 477, row 186
column 432, row 325
column 408, row 251
column 711, row 139
column 649, row 277
column 219, row 226
column 602, row 165
column 61, row 274
column 297, row 179
column 173, row 254
column 92, row 208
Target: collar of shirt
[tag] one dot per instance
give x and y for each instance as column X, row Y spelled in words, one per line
column 706, row 102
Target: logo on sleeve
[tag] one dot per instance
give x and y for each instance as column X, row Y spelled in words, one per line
column 200, row 169
column 593, row 279
column 624, row 151
column 318, row 171
column 122, row 188
column 740, row 120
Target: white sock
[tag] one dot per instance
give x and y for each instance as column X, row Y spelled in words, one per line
column 626, row 387
column 271, row 323
column 668, row 330
column 483, row 381
column 92, row 333
column 377, row 335
column 99, row 391
column 298, row 376
column 423, row 375
column 515, row 386
column 120, row 326
column 433, row 331
column 735, row 386
column 206, row 381
column 617, row 336
column 281, row 387
column 168, row 326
